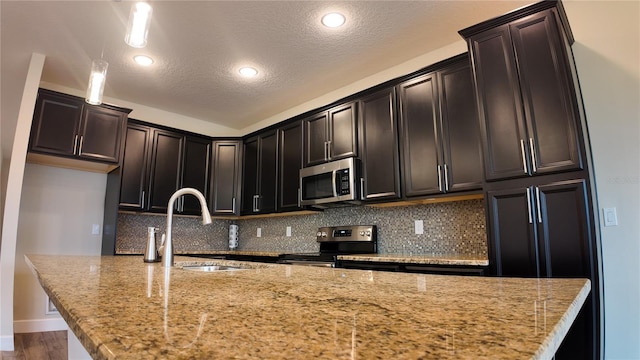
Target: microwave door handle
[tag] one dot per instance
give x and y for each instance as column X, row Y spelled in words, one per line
column 334, row 178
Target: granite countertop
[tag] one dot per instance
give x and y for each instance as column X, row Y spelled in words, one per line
column 463, row 260
column 120, row 307
column 211, row 252
column 423, row 259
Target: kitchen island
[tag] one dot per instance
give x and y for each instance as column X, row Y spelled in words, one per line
column 120, row 307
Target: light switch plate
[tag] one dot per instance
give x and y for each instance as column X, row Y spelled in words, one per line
column 288, row 230
column 419, row 227
column 259, row 232
column 610, row 216
column 95, row 229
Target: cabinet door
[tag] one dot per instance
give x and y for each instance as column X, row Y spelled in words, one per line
column 499, row 104
column 166, row 166
column 315, row 139
column 563, row 224
column 379, row 146
column 195, row 172
column 268, row 172
column 564, row 229
column 135, row 167
column 513, row 246
column 419, row 123
column 549, row 102
column 56, row 122
column 100, row 134
column 225, row 183
column 342, row 132
column 290, row 162
column 250, row 175
column 460, row 129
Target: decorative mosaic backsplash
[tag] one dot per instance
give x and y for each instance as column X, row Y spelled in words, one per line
column 454, row 228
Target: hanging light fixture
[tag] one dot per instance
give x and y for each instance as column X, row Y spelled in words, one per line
column 96, row 82
column 138, row 27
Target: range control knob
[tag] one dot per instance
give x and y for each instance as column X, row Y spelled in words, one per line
column 361, row 232
column 318, row 234
column 368, row 232
column 323, row 234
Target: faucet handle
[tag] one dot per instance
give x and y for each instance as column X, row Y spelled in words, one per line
column 162, row 239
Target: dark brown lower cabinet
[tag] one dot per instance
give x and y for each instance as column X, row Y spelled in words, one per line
column 545, row 229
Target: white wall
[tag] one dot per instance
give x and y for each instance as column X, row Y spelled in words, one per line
column 22, row 120
column 607, row 53
column 57, row 211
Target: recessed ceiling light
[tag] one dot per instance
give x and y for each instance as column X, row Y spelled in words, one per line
column 333, row 20
column 248, row 71
column 143, row 60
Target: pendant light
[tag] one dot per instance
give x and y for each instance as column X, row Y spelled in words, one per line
column 138, row 27
column 97, row 79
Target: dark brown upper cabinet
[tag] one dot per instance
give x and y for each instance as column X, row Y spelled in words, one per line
column 134, row 171
column 259, row 180
column 289, row 164
column 64, row 125
column 526, row 97
column 157, row 162
column 226, row 177
column 378, row 139
column 330, row 135
column 440, row 136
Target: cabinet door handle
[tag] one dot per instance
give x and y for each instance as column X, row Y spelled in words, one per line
column 533, row 155
column 538, row 203
column 75, row 144
column 524, row 157
column 256, row 206
column 439, row 179
column 446, row 178
column 80, row 147
column 299, row 196
column 529, row 205
column 233, row 205
column 361, row 188
column 142, row 199
column 325, row 151
column 328, row 149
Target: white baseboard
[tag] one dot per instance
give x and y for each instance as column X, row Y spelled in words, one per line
column 6, row 343
column 39, row 325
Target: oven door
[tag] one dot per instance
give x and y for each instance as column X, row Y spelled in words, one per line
column 317, row 263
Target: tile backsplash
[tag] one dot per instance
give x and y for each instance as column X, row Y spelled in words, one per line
column 453, row 228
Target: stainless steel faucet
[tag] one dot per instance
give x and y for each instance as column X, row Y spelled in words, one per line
column 167, row 256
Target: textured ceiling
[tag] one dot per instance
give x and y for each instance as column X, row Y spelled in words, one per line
column 198, row 47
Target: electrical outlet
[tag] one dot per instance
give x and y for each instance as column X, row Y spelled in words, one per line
column 419, row 227
column 259, row 232
column 288, row 230
column 95, row 229
column 610, row 217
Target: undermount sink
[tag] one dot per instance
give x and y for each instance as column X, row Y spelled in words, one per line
column 212, row 268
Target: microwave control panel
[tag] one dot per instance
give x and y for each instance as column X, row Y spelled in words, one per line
column 343, row 182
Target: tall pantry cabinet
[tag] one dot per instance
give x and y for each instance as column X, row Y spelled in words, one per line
column 541, row 219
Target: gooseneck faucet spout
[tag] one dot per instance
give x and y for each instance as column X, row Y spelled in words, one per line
column 167, row 256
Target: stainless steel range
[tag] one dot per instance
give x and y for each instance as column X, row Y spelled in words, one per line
column 334, row 241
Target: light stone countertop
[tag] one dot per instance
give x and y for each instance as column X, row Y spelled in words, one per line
column 122, row 308
column 463, row 260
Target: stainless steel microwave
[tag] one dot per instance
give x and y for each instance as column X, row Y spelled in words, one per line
column 333, row 183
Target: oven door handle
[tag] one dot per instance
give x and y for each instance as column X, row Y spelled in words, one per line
column 309, row 263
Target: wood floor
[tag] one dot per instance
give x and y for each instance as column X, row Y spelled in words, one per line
column 50, row 345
